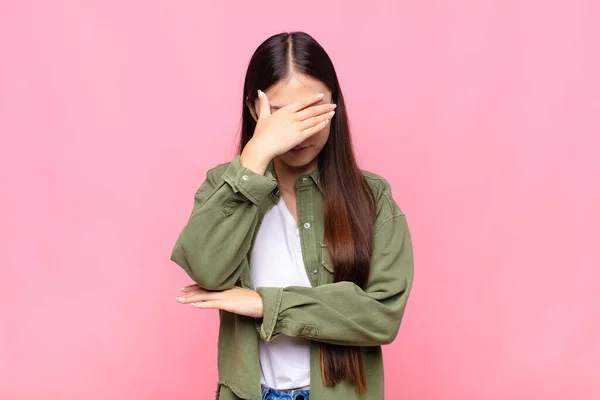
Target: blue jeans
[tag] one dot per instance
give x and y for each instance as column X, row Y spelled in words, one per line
column 291, row 394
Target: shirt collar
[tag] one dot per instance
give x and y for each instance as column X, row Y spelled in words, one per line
column 315, row 175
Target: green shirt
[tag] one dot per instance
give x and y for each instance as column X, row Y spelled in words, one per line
column 214, row 248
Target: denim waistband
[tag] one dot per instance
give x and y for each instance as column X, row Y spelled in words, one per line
column 290, row 394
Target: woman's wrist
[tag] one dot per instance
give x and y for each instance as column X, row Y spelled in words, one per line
column 253, row 159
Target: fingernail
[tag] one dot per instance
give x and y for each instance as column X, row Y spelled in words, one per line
column 260, row 93
column 180, row 298
column 333, row 105
column 320, row 95
column 182, row 289
column 331, row 113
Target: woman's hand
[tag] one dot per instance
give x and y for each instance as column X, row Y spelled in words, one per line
column 290, row 125
column 235, row 300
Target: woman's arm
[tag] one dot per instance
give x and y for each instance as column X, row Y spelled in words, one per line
column 341, row 312
column 214, row 243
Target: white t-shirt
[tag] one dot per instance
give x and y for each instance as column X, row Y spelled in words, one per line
column 276, row 261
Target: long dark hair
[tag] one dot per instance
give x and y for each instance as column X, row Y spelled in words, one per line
column 348, row 200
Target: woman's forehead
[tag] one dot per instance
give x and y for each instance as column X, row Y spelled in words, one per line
column 295, row 90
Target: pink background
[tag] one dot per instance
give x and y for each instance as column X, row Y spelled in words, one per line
column 482, row 114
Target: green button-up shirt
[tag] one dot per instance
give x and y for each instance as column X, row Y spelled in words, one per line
column 214, row 249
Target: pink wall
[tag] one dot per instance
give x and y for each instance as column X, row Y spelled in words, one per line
column 483, row 115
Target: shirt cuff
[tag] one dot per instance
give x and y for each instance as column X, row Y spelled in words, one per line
column 254, row 186
column 271, row 297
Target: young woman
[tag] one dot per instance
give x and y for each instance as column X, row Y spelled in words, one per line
column 307, row 257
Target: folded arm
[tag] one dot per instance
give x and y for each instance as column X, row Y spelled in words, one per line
column 342, row 312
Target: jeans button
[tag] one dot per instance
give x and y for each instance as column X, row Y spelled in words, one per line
column 299, row 397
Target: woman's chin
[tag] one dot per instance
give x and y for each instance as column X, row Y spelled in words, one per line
column 297, row 160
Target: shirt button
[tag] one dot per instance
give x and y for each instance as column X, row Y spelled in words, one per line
column 315, row 271
column 245, row 177
column 305, row 179
column 306, row 225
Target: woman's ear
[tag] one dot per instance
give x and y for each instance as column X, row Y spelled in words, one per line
column 251, row 109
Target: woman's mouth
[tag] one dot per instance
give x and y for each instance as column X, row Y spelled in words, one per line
column 298, row 150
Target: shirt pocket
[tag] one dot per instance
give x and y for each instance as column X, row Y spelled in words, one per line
column 327, row 263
